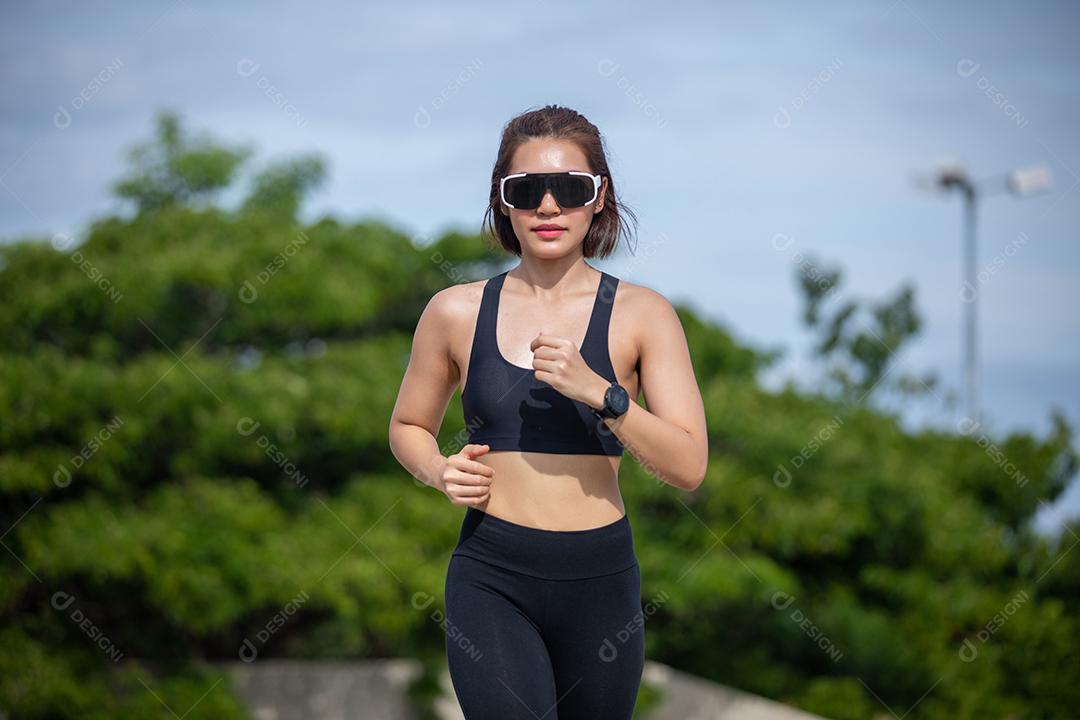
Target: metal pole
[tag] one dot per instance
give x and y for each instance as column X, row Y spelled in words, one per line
column 1021, row 182
column 970, row 316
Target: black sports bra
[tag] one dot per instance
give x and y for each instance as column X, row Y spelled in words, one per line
column 507, row 408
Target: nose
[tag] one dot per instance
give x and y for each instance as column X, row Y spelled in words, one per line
column 548, row 206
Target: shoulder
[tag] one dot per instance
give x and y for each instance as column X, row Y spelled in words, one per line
column 642, row 301
column 646, row 317
column 456, row 303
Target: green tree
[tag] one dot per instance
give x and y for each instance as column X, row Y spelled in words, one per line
column 860, row 351
column 280, row 188
column 175, row 169
column 193, row 418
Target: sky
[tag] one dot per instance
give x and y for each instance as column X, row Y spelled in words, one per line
column 747, row 138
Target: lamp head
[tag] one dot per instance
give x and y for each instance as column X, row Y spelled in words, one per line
column 1030, row 180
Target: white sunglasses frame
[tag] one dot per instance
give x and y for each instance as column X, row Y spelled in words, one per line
column 595, row 179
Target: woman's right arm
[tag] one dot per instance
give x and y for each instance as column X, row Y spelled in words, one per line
column 426, row 389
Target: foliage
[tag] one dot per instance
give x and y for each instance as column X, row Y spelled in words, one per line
column 174, row 169
column 193, row 443
column 860, row 346
column 280, row 188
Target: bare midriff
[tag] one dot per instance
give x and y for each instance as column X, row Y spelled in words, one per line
column 552, row 491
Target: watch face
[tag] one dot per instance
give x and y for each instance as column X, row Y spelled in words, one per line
column 618, row 398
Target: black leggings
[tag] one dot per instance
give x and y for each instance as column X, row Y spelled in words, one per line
column 544, row 624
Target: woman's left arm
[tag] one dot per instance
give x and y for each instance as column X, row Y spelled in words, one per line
column 669, row 438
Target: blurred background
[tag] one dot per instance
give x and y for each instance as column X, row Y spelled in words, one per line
column 219, row 223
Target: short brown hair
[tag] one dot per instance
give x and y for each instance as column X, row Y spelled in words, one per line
column 560, row 123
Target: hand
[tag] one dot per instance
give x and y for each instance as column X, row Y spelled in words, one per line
column 558, row 362
column 464, row 480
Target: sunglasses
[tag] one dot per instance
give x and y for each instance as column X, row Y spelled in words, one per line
column 525, row 191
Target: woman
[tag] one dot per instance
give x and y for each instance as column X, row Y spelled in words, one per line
column 543, row 590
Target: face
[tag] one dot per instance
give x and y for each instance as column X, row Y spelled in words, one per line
column 549, row 155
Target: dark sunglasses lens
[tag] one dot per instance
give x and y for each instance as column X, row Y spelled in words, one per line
column 570, row 191
column 524, row 193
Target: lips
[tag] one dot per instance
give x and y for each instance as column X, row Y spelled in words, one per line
column 549, row 232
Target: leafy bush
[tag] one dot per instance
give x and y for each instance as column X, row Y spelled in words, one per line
column 194, row 467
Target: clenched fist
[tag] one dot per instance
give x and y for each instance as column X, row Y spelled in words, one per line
column 558, row 362
column 464, row 480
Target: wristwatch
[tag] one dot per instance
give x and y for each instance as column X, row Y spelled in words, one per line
column 616, row 402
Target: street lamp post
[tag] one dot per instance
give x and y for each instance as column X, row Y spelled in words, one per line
column 1022, row 182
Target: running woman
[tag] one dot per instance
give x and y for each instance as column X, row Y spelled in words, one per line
column 543, row 589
